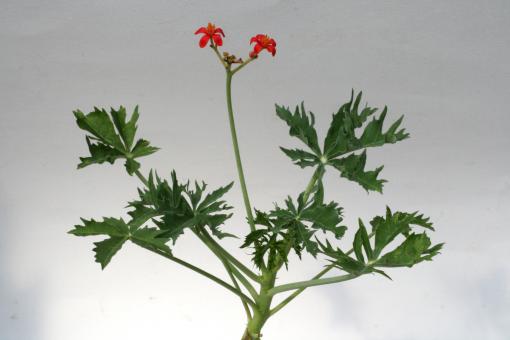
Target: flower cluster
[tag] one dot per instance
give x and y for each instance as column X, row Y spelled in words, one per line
column 213, row 34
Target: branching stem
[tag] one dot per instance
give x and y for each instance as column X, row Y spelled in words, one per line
column 204, row 273
column 236, row 285
column 310, row 283
column 231, row 268
column 231, row 258
column 318, row 276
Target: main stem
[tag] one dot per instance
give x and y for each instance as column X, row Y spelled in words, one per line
column 262, row 310
column 237, row 153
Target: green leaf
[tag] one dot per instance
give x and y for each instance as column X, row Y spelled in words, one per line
column 99, row 124
column 294, row 226
column 207, row 204
column 409, row 253
column 99, row 153
column 254, row 236
column 301, row 125
column 177, row 207
column 131, row 166
column 116, row 229
column 151, row 238
column 393, row 224
column 365, row 240
column 143, row 148
column 362, row 243
column 272, row 243
column 140, row 215
column 109, row 226
column 127, row 130
column 342, row 137
column 352, row 167
column 428, row 254
column 106, row 249
column 414, row 249
column 209, row 210
column 263, row 241
column 113, row 138
column 301, row 157
column 342, row 260
column 325, row 217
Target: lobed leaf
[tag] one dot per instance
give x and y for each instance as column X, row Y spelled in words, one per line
column 341, row 260
column 408, row 253
column 109, row 226
column 177, row 206
column 414, row 249
column 301, row 125
column 347, row 133
column 300, row 157
column 127, row 130
column 99, row 124
column 352, row 167
column 99, row 153
column 112, row 138
column 342, row 137
column 106, row 249
column 151, row 238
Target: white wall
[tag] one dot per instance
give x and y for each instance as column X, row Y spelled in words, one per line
column 442, row 63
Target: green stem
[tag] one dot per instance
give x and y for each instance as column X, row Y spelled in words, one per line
column 230, row 271
column 204, row 273
column 318, row 276
column 244, row 281
column 231, row 258
column 142, row 178
column 299, row 291
column 317, row 175
column 246, row 335
column 242, row 65
column 236, row 151
column 233, row 270
column 262, row 312
column 236, row 285
column 310, row 283
column 215, row 49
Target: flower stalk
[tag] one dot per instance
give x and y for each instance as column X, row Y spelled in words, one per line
column 237, row 153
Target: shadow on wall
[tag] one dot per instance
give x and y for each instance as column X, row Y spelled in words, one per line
column 20, row 307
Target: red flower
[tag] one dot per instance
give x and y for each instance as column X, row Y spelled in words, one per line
column 211, row 32
column 262, row 42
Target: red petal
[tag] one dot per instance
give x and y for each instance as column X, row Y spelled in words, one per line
column 253, row 40
column 204, row 40
column 220, row 31
column 258, row 48
column 217, row 39
column 201, row 30
column 273, row 42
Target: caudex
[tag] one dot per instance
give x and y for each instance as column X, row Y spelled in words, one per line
column 165, row 209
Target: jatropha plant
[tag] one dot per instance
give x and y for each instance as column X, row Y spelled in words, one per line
column 167, row 208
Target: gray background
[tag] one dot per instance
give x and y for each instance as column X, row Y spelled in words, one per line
column 444, row 64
